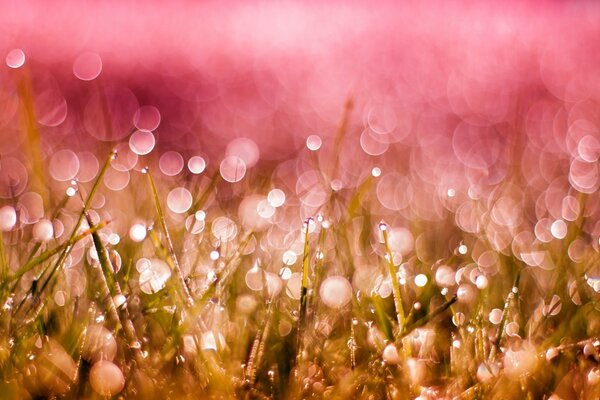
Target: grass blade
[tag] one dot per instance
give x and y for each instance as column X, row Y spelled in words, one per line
column 163, row 223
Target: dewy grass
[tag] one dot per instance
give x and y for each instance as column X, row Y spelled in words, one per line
column 230, row 294
column 399, row 308
column 172, row 256
column 303, row 289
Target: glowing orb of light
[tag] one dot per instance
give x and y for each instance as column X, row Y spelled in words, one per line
column 335, row 291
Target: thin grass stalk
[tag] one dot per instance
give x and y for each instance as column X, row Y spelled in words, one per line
column 4, row 268
column 428, row 317
column 110, row 287
column 395, row 284
column 303, row 289
column 74, row 237
column 163, row 223
column 258, row 348
column 513, row 292
column 52, row 252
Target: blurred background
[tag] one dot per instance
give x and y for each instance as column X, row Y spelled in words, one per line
column 470, row 128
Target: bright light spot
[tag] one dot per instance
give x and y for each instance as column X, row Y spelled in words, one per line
column 43, row 230
column 87, row 66
column 264, row 209
column 444, row 276
column 232, row 169
column 119, row 300
column 451, row 192
column 495, row 316
column 521, row 361
column 421, row 280
column 285, row 273
column 376, row 172
column 310, row 224
column 224, row 229
column 137, row 232
column 289, row 258
column 196, row 165
column 179, row 200
column 276, row 197
column 71, row 191
column 200, row 215
column 559, row 229
column 141, row 142
column 335, row 291
column 208, row 341
column 15, row 58
column 154, row 275
column 8, row 218
column 113, row 238
column 214, row 255
column 313, row 142
column 336, row 185
column 390, row 354
column 481, row 282
column 462, row 249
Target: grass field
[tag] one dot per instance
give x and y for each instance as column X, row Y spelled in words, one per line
column 398, row 202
